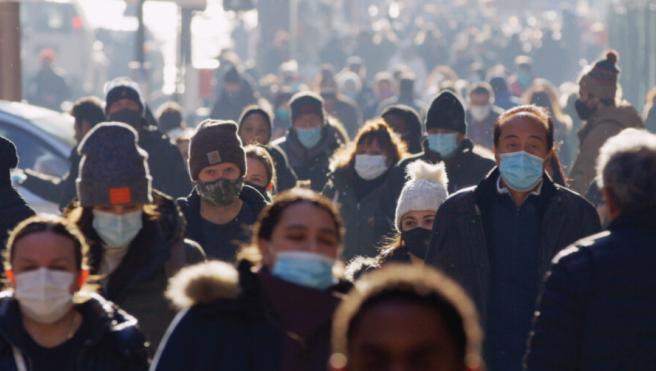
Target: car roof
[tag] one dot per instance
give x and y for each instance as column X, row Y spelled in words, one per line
column 59, row 125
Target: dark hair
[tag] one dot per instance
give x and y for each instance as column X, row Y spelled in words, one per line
column 482, row 88
column 412, row 122
column 531, row 112
column 378, row 131
column 258, row 152
column 417, row 285
column 88, row 109
column 169, row 116
column 53, row 224
column 271, row 215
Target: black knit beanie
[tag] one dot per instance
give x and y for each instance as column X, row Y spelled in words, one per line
column 306, row 103
column 215, row 142
column 114, row 169
column 122, row 91
column 446, row 112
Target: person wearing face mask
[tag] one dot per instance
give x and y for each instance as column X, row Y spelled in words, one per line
column 508, row 228
column 523, row 77
column 136, row 234
column 275, row 310
column 336, row 104
column 123, row 103
column 221, row 208
column 49, row 318
column 311, row 141
column 358, row 183
column 482, row 114
column 605, row 114
column 422, row 195
column 255, row 128
column 260, row 172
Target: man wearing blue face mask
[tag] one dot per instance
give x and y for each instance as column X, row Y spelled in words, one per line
column 497, row 239
column 311, row 141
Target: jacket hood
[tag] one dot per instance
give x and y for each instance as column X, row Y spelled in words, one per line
column 203, row 283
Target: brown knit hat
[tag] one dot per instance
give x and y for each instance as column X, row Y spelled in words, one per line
column 601, row 80
column 215, row 142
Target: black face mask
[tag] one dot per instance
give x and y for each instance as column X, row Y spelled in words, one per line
column 262, row 190
column 127, row 116
column 583, row 110
column 416, row 241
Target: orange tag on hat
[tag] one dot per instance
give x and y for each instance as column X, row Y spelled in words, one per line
column 120, row 196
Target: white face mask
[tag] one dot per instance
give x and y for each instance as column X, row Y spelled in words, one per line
column 44, row 295
column 479, row 113
column 117, row 231
column 370, row 167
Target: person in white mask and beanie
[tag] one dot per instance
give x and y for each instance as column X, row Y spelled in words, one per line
column 358, row 182
column 49, row 318
column 136, row 234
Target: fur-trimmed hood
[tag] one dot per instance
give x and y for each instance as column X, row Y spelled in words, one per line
column 203, row 283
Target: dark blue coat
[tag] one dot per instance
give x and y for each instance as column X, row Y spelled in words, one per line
column 598, row 306
column 116, row 342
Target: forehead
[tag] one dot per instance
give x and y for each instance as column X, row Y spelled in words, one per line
column 255, row 119
column 221, row 166
column 524, row 126
column 255, row 165
column 307, row 214
column 419, row 214
column 44, row 246
column 369, row 142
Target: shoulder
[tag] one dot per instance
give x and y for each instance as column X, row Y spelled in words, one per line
column 572, row 200
column 464, row 198
column 203, row 283
column 581, row 253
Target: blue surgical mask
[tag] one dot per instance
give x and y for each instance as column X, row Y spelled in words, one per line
column 309, row 138
column 521, row 171
column 444, row 144
column 117, row 231
column 304, row 269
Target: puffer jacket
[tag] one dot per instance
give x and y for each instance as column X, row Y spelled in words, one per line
column 228, row 322
column 359, row 215
column 598, row 310
column 157, row 253
column 601, row 126
column 311, row 164
column 116, row 342
column 458, row 244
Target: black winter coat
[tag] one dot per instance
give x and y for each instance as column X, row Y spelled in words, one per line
column 286, row 177
column 360, row 215
column 190, row 206
column 232, row 326
column 458, row 243
column 166, row 165
column 311, row 164
column 116, row 342
column 598, row 308
column 156, row 253
column 13, row 210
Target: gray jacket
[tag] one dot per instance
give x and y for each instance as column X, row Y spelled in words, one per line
column 458, row 244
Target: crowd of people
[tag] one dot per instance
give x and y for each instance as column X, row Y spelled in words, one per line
column 397, row 220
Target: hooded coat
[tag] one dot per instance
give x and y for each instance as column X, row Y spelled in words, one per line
column 601, row 126
column 113, row 338
column 239, row 319
column 311, row 164
column 156, row 253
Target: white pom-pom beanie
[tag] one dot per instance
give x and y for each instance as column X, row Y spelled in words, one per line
column 426, row 189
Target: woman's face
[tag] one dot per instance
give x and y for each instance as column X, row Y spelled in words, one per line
column 45, row 250
column 256, row 173
column 417, row 219
column 254, row 130
column 302, row 227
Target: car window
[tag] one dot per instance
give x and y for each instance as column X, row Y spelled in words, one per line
column 34, row 153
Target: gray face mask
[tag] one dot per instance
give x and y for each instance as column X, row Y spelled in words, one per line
column 220, row 192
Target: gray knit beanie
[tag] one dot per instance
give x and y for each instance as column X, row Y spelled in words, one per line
column 114, row 169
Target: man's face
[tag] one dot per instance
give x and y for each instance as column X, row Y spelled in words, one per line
column 402, row 336
column 307, row 121
column 479, row 99
column 123, row 104
column 522, row 133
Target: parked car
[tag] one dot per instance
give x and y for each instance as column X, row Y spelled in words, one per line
column 44, row 140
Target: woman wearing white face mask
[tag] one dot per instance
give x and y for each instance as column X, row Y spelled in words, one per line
column 136, row 234
column 49, row 320
column 423, row 193
column 272, row 313
column 358, row 182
